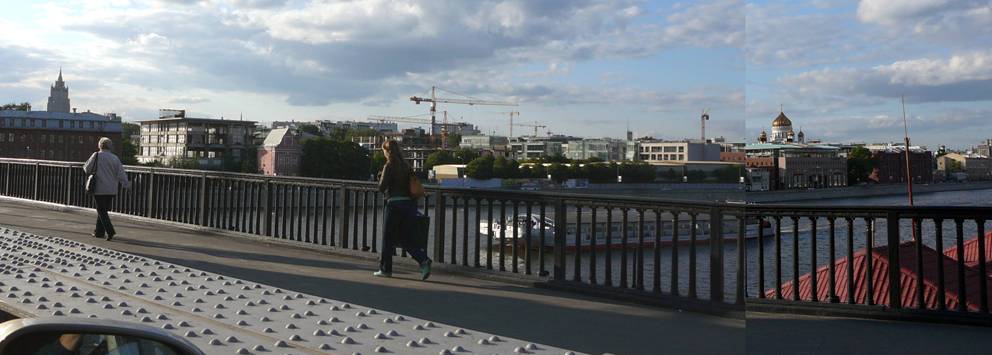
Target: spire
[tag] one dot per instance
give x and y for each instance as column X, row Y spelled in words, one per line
column 60, row 73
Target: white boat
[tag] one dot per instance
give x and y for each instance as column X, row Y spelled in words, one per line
column 533, row 223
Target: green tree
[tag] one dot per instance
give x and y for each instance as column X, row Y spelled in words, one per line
column 378, row 161
column 538, row 171
column 310, row 128
column 129, row 152
column 249, row 162
column 184, row 163
column 639, row 172
column 334, row 159
column 559, row 172
column 505, row 168
column 481, row 168
column 440, row 157
column 557, row 158
column 465, row 155
column 600, row 173
column 24, row 106
column 526, row 172
column 454, row 140
column 859, row 165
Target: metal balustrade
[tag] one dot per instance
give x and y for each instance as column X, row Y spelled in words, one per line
column 712, row 257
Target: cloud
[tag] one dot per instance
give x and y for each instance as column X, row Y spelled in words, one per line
column 189, row 100
column 961, row 77
column 934, row 17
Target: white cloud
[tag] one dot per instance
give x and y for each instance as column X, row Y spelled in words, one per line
column 933, row 17
column 934, row 72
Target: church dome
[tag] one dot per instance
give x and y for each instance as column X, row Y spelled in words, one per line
column 781, row 121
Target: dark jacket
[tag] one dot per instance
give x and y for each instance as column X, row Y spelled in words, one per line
column 395, row 180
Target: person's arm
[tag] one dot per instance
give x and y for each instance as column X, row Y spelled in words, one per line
column 88, row 166
column 387, row 170
column 122, row 176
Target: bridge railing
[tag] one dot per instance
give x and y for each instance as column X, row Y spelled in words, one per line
column 843, row 260
column 654, row 250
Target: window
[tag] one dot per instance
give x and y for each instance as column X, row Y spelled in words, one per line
column 72, row 124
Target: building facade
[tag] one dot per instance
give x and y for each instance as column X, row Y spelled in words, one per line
column 529, row 148
column 977, row 167
column 655, row 152
column 330, row 126
column 602, row 149
column 280, row 154
column 799, row 166
column 890, row 164
column 483, row 142
column 210, row 142
column 58, row 133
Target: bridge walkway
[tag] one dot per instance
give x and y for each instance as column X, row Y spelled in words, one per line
column 586, row 324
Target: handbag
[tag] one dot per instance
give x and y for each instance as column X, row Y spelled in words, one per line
column 416, row 188
column 91, row 180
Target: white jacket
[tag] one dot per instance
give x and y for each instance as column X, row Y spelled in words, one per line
column 109, row 172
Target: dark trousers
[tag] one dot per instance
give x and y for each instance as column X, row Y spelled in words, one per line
column 103, row 224
column 399, row 225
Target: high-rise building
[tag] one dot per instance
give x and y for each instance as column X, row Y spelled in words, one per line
column 58, row 98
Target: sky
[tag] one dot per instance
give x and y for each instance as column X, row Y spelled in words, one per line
column 580, row 67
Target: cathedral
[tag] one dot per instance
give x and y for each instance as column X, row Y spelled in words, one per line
column 58, row 99
column 782, row 131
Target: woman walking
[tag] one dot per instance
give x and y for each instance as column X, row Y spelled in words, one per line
column 108, row 171
column 401, row 208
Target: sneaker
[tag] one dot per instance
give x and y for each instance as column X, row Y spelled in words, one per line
column 425, row 270
column 382, row 274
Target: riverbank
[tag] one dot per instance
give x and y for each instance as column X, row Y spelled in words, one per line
column 859, row 191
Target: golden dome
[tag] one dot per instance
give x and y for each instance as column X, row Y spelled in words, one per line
column 781, row 121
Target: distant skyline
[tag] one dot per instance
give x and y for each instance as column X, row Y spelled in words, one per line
column 579, row 67
column 583, row 67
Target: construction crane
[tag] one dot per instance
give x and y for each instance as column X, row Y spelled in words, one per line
column 535, row 126
column 512, row 114
column 414, row 119
column 702, row 120
column 434, row 100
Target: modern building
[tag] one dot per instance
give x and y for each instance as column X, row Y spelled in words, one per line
column 484, row 142
column 985, row 148
column 977, row 167
column 280, row 154
column 460, row 128
column 56, row 134
column 211, row 142
column 889, row 163
column 655, row 152
column 330, row 126
column 536, row 147
column 604, row 149
column 795, row 166
column 758, row 179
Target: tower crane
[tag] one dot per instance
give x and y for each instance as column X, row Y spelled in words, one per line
column 434, row 100
column 511, row 113
column 535, row 126
column 414, row 119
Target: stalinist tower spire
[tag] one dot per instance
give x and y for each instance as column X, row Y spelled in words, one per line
column 58, row 100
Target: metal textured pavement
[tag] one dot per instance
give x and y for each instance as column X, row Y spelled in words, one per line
column 51, row 276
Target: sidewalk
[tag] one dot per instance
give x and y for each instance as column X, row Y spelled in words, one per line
column 555, row 318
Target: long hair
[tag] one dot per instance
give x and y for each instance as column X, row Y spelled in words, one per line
column 395, row 153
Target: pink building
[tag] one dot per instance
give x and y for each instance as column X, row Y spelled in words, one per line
column 280, row 153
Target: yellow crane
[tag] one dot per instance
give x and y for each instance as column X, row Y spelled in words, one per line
column 434, row 100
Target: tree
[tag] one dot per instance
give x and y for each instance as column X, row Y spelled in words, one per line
column 600, row 173
column 559, row 172
column 454, row 140
column 129, row 152
column 729, row 174
column 859, row 165
column 334, row 159
column 249, row 162
column 378, row 161
column 557, row 158
column 310, row 128
column 481, row 168
column 638, row 172
column 24, row 106
column 527, row 172
column 465, row 155
column 538, row 171
column 506, row 169
column 184, row 163
column 440, row 157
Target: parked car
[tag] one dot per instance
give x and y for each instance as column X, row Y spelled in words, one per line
column 67, row 335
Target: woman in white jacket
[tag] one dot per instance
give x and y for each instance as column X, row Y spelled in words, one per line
column 108, row 171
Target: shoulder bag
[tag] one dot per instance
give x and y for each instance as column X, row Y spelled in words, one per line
column 91, row 180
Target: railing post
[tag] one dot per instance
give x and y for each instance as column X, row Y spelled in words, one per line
column 268, row 207
column 150, row 205
column 561, row 222
column 68, row 186
column 203, row 199
column 440, row 205
column 895, row 290
column 6, row 189
column 37, row 169
column 345, row 209
column 716, row 255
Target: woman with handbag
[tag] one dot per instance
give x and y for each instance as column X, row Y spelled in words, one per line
column 402, row 189
column 105, row 172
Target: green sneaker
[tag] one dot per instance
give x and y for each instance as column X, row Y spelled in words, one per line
column 382, row 274
column 425, row 270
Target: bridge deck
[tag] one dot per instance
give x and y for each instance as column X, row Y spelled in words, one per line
column 547, row 317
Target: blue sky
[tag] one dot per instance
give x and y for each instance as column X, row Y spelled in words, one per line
column 582, row 67
column 579, row 67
